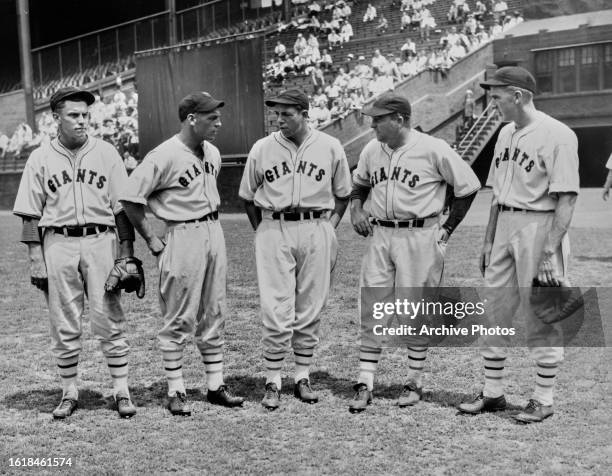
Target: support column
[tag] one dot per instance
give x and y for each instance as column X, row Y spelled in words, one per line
column 25, row 60
column 171, row 6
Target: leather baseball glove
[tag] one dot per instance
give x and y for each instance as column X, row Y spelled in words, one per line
column 554, row 304
column 126, row 274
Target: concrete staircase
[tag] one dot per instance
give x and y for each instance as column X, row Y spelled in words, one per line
column 477, row 137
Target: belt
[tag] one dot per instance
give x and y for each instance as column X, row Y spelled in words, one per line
column 85, row 230
column 415, row 223
column 505, row 208
column 297, row 216
column 210, row 216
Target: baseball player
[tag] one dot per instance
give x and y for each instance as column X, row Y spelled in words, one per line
column 405, row 172
column 606, row 189
column 68, row 200
column 296, row 184
column 178, row 181
column 534, row 175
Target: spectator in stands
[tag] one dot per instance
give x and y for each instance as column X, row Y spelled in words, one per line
column 393, row 69
column 280, row 49
column 319, row 96
column 346, row 11
column 300, row 44
column 408, row 49
column 342, row 79
column 382, row 26
column 470, row 25
column 332, row 92
column 427, row 24
column 130, row 162
column 320, row 114
column 317, row 76
column 354, row 83
column 479, row 10
column 346, row 31
column 326, row 60
column 364, row 73
column 379, row 62
column 119, row 95
column 4, row 142
column 314, row 9
column 405, row 21
column 453, row 13
column 409, row 67
column 312, row 41
column 500, row 8
column 370, row 13
column 512, row 20
column 334, row 40
column 469, row 110
column 337, row 109
column 496, row 29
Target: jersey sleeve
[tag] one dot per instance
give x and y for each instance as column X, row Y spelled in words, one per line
column 31, row 196
column 341, row 180
column 117, row 181
column 251, row 177
column 562, row 166
column 144, row 180
column 456, row 171
column 361, row 174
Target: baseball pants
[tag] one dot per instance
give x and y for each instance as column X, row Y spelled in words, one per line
column 295, row 260
column 78, row 267
column 192, row 286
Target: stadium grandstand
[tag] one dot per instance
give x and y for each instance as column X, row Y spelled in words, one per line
column 342, row 53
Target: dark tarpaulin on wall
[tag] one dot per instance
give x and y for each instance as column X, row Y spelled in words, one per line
column 230, row 71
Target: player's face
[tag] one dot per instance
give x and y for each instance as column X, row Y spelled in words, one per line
column 504, row 100
column 290, row 120
column 206, row 124
column 72, row 123
column 387, row 127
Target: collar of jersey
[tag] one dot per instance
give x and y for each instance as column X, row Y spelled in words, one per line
column 309, row 137
column 527, row 129
column 187, row 149
column 413, row 138
column 80, row 152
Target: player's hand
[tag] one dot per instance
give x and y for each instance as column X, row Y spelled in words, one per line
column 547, row 274
column 606, row 194
column 361, row 222
column 443, row 235
column 38, row 273
column 485, row 257
column 156, row 245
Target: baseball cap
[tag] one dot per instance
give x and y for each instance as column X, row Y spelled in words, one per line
column 361, row 58
column 386, row 104
column 70, row 92
column 511, row 76
column 199, row 101
column 289, row 97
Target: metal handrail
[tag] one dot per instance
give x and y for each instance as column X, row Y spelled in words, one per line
column 195, row 7
column 489, row 107
column 96, row 32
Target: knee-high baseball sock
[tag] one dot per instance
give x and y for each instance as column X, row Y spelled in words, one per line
column 303, row 360
column 545, row 381
column 213, row 362
column 416, row 362
column 368, row 362
column 273, row 360
column 118, row 367
column 494, row 376
column 68, row 373
column 173, row 368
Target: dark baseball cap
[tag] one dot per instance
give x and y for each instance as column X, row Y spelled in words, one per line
column 72, row 93
column 199, row 101
column 387, row 104
column 511, row 76
column 290, row 97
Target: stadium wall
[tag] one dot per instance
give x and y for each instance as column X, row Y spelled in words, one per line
column 9, row 183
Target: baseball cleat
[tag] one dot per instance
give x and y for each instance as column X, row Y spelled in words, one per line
column 483, row 404
column 534, row 412
column 222, row 396
column 66, row 408
column 125, row 407
column 271, row 399
column 304, row 392
column 411, row 395
column 362, row 398
column 177, row 405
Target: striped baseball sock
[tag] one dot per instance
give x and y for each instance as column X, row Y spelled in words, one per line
column 273, row 360
column 368, row 362
column 118, row 367
column 213, row 362
column 416, row 362
column 173, row 368
column 68, row 373
column 494, row 376
column 303, row 360
column 545, row 381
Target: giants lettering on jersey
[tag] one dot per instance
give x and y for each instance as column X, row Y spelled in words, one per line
column 521, row 157
column 90, row 177
column 191, row 173
column 398, row 174
column 304, row 168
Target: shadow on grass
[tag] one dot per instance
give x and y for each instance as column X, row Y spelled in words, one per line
column 46, row 400
column 599, row 259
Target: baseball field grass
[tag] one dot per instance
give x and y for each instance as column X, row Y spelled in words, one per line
column 299, row 438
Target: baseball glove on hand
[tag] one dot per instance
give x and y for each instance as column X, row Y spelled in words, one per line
column 126, row 274
column 554, row 304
